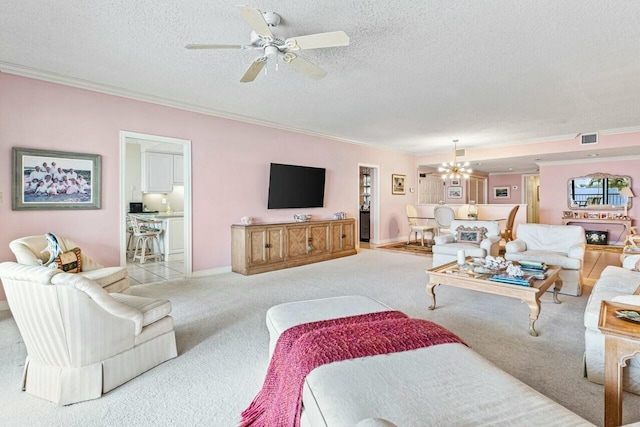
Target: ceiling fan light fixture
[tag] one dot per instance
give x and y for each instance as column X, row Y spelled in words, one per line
column 273, row 46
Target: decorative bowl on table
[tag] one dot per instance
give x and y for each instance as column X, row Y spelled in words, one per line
column 302, row 217
column 496, row 265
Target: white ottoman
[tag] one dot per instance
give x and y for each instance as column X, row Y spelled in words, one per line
column 284, row 316
column 445, row 384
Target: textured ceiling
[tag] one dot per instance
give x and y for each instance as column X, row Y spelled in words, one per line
column 416, row 75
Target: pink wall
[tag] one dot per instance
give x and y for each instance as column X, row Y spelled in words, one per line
column 553, row 189
column 511, row 180
column 230, row 167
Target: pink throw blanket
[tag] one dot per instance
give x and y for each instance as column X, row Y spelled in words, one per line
column 304, row 347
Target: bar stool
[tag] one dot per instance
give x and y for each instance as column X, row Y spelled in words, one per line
column 146, row 236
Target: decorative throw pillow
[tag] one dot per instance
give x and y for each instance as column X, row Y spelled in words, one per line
column 470, row 234
column 70, row 261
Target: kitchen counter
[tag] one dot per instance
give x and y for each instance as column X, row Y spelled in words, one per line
column 170, row 215
column 160, row 215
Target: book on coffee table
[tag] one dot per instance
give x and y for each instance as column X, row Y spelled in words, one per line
column 520, row 281
column 533, row 265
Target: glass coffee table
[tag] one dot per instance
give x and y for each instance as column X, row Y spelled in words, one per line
column 451, row 275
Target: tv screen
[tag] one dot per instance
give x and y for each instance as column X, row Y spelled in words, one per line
column 296, row 187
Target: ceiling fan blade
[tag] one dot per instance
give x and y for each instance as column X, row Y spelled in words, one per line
column 254, row 69
column 315, row 41
column 215, row 46
column 303, row 66
column 256, row 21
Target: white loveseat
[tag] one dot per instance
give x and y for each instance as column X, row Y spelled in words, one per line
column 29, row 251
column 82, row 341
column 446, row 246
column 616, row 284
column 560, row 245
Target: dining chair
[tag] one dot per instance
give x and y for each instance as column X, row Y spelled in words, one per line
column 443, row 216
column 507, row 233
column 414, row 227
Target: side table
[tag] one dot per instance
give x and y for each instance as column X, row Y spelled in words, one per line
column 622, row 342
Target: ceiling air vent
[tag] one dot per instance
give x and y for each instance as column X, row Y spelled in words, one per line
column 460, row 152
column 588, row 138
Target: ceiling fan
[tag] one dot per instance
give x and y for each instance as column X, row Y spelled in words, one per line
column 273, row 47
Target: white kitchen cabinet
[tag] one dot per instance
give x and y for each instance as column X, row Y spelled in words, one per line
column 157, row 172
column 178, row 169
column 173, row 238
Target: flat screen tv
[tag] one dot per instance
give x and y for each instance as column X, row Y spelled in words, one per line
column 293, row 186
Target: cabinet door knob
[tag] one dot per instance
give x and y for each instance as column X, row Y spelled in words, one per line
column 267, row 245
column 344, row 235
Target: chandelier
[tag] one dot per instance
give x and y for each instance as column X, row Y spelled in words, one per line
column 454, row 169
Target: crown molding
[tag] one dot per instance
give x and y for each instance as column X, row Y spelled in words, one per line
column 589, row 160
column 618, row 131
column 34, row 73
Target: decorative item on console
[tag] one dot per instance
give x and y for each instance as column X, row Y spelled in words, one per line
column 302, row 217
column 473, row 210
column 340, row 215
column 246, row 220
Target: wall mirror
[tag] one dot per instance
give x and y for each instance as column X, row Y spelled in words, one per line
column 599, row 191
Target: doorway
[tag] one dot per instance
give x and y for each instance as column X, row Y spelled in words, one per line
column 531, row 196
column 155, row 185
column 368, row 205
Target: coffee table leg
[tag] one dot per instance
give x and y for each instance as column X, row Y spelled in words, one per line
column 534, row 311
column 430, row 292
column 556, row 289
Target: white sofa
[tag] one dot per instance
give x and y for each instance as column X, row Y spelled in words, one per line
column 444, row 385
column 29, row 251
column 560, row 245
column 82, row 341
column 446, row 246
column 615, row 284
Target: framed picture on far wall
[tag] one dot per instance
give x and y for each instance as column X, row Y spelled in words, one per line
column 454, row 192
column 454, row 182
column 397, row 184
column 49, row 180
column 501, row 193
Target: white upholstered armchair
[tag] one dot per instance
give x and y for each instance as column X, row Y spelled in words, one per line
column 561, row 245
column 476, row 238
column 82, row 341
column 29, row 251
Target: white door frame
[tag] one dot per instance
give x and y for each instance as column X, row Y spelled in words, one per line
column 374, row 207
column 524, row 193
column 186, row 152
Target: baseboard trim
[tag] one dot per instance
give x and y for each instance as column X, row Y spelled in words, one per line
column 211, row 272
column 4, row 305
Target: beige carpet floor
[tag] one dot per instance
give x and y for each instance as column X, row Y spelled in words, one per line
column 223, row 344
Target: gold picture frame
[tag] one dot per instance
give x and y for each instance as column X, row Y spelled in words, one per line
column 398, row 184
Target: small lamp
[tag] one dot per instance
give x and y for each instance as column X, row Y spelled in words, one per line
column 626, row 192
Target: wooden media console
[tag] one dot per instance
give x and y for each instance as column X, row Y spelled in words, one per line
column 258, row 248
